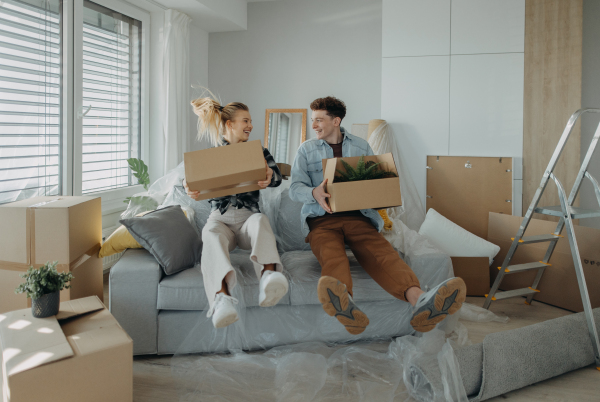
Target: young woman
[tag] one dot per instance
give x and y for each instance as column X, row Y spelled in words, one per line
column 236, row 220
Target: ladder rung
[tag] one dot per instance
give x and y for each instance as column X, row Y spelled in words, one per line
column 513, row 269
column 538, row 238
column 515, row 293
column 576, row 212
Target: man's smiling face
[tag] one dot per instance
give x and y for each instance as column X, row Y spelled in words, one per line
column 323, row 124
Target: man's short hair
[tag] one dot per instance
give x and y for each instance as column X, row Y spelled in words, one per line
column 333, row 106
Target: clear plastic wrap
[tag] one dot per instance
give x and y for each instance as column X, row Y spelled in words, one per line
column 306, row 354
column 411, row 213
column 156, row 194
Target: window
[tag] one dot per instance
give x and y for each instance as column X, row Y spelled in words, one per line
column 72, row 110
column 30, row 99
column 111, row 97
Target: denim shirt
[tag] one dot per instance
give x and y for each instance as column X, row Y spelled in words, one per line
column 307, row 173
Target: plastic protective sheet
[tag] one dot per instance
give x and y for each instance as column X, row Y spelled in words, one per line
column 156, row 194
column 321, row 362
column 316, row 371
column 411, row 213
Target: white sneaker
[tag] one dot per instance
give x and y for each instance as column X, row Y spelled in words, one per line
column 223, row 311
column 273, row 286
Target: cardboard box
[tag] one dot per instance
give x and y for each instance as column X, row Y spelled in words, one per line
column 42, row 229
column 285, row 169
column 475, row 271
column 81, row 354
column 558, row 285
column 465, row 189
column 364, row 194
column 228, row 170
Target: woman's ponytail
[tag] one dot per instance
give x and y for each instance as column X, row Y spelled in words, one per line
column 212, row 117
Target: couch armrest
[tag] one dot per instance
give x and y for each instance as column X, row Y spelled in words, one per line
column 133, row 293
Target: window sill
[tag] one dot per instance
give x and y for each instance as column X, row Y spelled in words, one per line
column 112, row 200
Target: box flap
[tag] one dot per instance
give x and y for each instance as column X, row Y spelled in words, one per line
column 72, row 308
column 28, row 342
column 98, row 340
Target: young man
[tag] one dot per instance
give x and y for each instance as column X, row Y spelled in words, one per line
column 328, row 233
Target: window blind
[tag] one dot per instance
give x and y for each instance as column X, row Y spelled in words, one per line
column 30, row 99
column 111, row 97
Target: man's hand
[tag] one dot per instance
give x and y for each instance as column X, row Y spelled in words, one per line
column 320, row 195
column 265, row 183
column 192, row 194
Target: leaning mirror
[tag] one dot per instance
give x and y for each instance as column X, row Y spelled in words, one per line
column 285, row 130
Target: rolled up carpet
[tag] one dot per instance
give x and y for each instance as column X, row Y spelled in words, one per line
column 514, row 359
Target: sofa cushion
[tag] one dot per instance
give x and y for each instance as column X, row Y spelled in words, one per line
column 304, row 271
column 185, row 291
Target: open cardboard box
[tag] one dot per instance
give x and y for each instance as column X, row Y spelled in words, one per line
column 226, row 170
column 475, row 271
column 364, row 194
column 558, row 285
column 81, row 354
column 285, row 169
column 57, row 228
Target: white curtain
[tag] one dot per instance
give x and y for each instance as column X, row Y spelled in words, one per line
column 176, row 83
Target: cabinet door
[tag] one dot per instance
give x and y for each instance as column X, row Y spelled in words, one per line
column 486, row 105
column 416, row 28
column 488, row 26
column 415, row 102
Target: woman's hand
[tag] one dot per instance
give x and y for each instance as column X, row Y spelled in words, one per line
column 265, row 183
column 192, row 194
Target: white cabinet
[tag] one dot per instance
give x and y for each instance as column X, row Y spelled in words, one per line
column 487, row 26
column 486, row 105
column 416, row 28
column 415, row 102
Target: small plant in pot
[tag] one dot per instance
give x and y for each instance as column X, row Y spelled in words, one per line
column 43, row 286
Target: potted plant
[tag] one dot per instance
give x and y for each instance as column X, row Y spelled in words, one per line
column 43, row 286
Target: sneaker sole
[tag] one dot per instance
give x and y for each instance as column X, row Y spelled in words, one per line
column 227, row 321
column 448, row 300
column 273, row 294
column 334, row 298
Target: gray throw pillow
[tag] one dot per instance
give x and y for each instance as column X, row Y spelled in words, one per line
column 168, row 236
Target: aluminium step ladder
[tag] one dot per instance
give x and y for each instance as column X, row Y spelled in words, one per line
column 566, row 212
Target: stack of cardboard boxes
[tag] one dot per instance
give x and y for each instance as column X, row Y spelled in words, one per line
column 42, row 229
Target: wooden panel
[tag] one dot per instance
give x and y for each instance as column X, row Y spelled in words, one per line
column 553, row 40
column 466, row 195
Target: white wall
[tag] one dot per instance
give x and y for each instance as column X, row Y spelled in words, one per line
column 296, row 51
column 452, row 80
column 590, row 97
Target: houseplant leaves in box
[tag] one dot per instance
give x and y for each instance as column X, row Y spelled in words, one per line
column 364, row 171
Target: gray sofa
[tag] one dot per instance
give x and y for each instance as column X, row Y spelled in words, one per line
column 167, row 314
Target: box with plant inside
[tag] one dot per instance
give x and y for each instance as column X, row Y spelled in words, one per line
column 362, row 182
column 43, row 286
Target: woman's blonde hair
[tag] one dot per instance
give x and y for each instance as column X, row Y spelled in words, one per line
column 212, row 116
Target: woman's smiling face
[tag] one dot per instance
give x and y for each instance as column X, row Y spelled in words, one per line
column 239, row 129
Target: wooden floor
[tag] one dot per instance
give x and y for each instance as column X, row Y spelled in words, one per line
column 153, row 382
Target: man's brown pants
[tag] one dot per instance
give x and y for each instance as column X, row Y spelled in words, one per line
column 328, row 236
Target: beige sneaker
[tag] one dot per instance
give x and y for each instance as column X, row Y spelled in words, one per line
column 338, row 303
column 438, row 303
